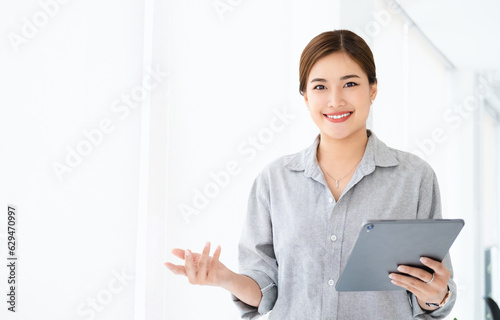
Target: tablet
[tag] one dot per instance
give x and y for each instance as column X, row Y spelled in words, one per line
column 383, row 245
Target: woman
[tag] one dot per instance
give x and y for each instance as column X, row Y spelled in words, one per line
column 305, row 209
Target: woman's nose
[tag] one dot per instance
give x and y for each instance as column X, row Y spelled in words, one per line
column 336, row 98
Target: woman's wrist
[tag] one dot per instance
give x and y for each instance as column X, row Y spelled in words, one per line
column 243, row 287
column 434, row 305
column 425, row 307
column 228, row 280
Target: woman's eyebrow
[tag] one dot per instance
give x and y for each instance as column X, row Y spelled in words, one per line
column 318, row 80
column 349, row 76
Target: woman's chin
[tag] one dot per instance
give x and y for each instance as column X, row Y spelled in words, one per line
column 342, row 134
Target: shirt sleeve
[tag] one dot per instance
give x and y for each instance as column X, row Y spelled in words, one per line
column 429, row 207
column 256, row 258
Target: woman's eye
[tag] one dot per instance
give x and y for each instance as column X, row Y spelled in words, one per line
column 319, row 87
column 350, row 84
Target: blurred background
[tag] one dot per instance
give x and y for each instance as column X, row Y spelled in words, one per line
column 133, row 127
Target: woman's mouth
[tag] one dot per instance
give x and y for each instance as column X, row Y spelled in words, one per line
column 338, row 117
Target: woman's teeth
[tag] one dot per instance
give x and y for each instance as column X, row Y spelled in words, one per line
column 340, row 116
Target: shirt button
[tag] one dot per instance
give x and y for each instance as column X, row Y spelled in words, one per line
column 330, row 200
column 330, row 282
column 333, row 238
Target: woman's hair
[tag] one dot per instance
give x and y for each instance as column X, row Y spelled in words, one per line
column 336, row 41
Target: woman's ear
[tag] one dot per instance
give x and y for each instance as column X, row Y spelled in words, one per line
column 373, row 91
column 305, row 99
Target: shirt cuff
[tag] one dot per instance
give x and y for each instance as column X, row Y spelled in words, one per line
column 269, row 295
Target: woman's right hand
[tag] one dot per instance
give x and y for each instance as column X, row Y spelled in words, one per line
column 201, row 269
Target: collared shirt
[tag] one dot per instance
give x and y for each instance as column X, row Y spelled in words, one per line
column 297, row 238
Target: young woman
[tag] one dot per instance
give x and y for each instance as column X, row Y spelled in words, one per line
column 305, row 209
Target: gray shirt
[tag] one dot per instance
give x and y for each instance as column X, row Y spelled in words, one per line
column 297, row 238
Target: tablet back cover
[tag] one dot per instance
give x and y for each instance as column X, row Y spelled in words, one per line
column 382, row 245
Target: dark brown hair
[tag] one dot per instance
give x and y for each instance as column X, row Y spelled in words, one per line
column 336, row 41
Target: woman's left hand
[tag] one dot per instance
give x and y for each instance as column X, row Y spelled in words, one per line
column 424, row 285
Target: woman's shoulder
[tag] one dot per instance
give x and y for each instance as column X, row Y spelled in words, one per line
column 409, row 161
column 389, row 156
column 286, row 164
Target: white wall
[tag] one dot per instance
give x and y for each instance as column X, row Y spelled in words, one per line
column 75, row 236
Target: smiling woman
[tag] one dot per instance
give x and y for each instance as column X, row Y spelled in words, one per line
column 305, row 209
column 338, row 81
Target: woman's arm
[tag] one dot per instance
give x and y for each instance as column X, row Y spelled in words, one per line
column 201, row 269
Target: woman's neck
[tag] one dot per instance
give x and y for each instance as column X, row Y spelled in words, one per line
column 342, row 152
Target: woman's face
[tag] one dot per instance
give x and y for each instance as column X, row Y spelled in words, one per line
column 339, row 96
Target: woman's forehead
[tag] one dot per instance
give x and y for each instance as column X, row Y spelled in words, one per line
column 336, row 64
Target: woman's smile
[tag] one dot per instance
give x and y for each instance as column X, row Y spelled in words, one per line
column 337, row 116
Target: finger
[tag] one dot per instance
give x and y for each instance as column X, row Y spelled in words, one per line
column 415, row 286
column 401, row 281
column 179, row 253
column 437, row 266
column 407, row 284
column 213, row 264
column 190, row 268
column 423, row 291
column 203, row 263
column 179, row 270
column 416, row 272
column 405, row 281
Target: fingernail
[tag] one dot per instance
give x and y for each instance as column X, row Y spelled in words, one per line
column 423, row 260
column 188, row 253
column 391, row 276
column 401, row 268
column 207, row 244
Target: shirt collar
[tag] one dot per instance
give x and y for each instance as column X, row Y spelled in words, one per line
column 377, row 154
